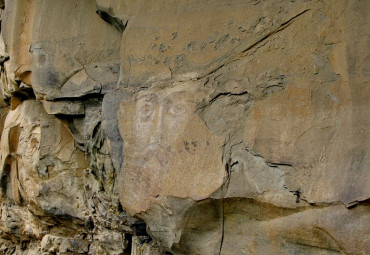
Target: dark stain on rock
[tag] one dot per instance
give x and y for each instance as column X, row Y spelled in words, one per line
column 192, row 46
column 221, row 42
column 167, row 61
column 162, row 48
column 203, row 45
column 186, row 145
column 180, row 60
column 116, row 22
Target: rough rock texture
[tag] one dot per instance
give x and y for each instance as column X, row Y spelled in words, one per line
column 184, row 127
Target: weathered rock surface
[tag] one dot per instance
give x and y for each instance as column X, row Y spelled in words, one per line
column 184, row 127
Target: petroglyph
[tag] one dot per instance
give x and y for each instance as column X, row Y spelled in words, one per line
column 167, row 147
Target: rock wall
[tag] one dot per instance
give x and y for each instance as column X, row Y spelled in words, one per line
column 184, row 127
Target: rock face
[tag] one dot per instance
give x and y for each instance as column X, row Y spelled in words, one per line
column 184, row 127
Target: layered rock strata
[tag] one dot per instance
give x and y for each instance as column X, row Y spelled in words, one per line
column 184, row 127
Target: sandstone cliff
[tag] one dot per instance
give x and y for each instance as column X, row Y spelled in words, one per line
column 184, row 127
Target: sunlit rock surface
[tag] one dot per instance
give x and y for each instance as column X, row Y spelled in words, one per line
column 184, row 127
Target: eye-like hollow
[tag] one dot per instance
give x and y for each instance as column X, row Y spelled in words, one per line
column 178, row 109
column 145, row 111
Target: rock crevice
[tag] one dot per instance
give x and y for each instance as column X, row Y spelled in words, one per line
column 197, row 127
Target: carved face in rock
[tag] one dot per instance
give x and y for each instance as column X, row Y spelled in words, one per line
column 168, row 150
column 158, row 120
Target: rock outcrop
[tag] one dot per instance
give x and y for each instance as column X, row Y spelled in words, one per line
column 184, row 127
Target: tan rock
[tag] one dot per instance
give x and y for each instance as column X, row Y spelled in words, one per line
column 271, row 230
column 314, row 124
column 227, row 127
column 168, row 150
column 187, row 41
column 40, row 58
column 64, row 107
column 39, row 158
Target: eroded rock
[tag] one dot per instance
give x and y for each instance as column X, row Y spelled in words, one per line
column 165, row 127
